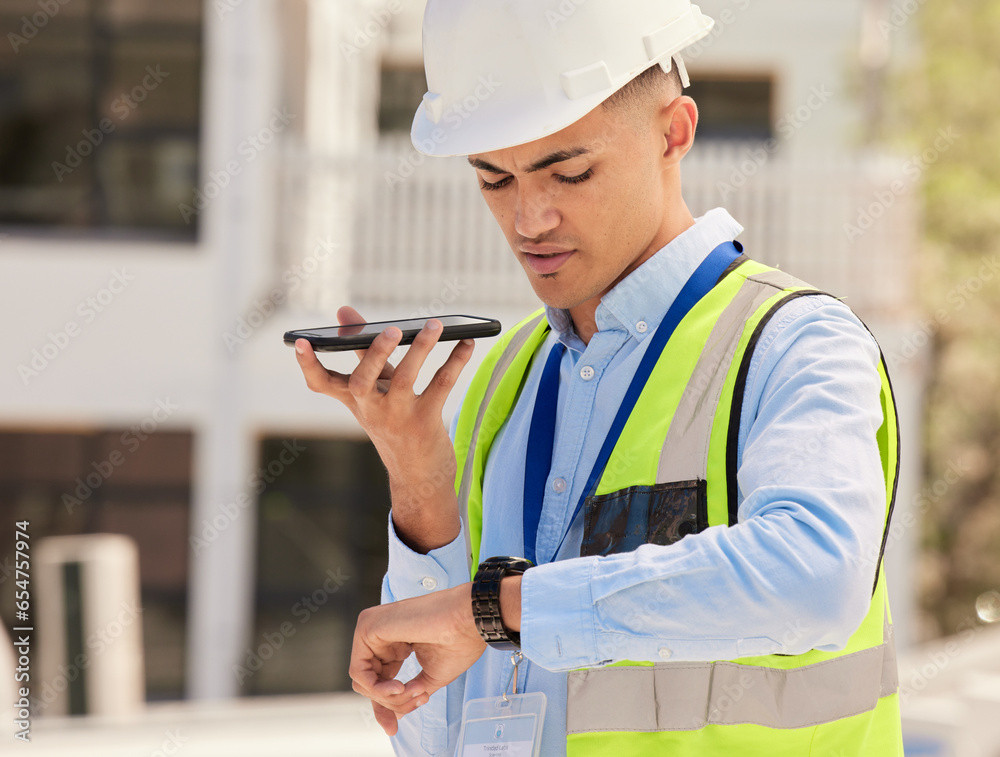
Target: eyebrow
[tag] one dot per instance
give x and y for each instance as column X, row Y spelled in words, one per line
column 548, row 160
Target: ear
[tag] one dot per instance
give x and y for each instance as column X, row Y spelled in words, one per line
column 678, row 121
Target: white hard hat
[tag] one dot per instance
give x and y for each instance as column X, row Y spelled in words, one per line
column 506, row 72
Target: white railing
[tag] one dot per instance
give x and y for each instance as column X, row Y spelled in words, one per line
column 416, row 228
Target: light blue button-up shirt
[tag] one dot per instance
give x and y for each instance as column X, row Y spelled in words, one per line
column 795, row 574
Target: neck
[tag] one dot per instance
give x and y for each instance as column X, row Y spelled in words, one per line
column 584, row 315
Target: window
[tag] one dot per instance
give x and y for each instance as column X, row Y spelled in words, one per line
column 729, row 107
column 321, row 555
column 99, row 114
column 122, row 481
column 733, row 108
column 402, row 90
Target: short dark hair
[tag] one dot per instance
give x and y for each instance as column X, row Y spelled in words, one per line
column 653, row 82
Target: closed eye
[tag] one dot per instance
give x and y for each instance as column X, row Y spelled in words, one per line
column 579, row 179
column 493, row 186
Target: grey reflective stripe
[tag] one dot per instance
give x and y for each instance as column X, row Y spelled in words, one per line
column 684, row 456
column 779, row 280
column 515, row 345
column 688, row 696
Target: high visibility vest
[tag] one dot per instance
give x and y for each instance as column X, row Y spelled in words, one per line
column 682, row 435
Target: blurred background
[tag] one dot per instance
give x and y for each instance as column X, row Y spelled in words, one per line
column 182, row 182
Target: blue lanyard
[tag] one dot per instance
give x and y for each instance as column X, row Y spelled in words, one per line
column 541, row 433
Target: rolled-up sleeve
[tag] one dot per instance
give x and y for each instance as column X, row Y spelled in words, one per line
column 433, row 728
column 411, row 574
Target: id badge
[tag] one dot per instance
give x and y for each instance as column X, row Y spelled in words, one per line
column 508, row 726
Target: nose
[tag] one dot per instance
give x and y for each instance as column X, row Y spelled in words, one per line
column 535, row 214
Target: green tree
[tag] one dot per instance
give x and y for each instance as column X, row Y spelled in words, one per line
column 953, row 86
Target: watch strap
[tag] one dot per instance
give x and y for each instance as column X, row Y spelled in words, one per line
column 486, row 600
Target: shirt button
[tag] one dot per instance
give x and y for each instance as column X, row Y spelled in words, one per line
column 429, row 583
column 559, row 485
column 586, row 373
column 642, row 327
column 665, row 654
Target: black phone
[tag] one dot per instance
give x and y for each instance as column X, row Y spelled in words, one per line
column 359, row 336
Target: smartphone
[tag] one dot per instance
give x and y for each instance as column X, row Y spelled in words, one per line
column 359, row 336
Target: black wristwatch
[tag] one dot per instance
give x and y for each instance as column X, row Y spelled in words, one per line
column 486, row 600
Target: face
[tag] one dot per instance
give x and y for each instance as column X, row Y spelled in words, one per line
column 582, row 208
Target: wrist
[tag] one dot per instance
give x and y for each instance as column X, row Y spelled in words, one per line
column 496, row 601
column 424, row 532
column 510, row 602
column 425, row 517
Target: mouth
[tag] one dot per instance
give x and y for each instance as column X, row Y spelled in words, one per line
column 545, row 263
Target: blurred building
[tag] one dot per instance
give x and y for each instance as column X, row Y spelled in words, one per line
column 181, row 183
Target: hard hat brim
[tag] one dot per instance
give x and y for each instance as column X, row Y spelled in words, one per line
column 495, row 127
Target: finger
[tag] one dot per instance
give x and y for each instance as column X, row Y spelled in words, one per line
column 318, row 378
column 373, row 366
column 366, row 666
column 405, row 375
column 447, row 375
column 421, row 685
column 386, row 718
column 369, row 676
column 348, row 315
column 371, row 685
column 391, row 691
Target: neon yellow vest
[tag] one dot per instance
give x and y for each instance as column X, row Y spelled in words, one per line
column 821, row 704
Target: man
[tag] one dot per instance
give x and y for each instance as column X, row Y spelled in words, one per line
column 699, row 453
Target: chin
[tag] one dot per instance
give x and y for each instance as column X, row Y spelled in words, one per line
column 561, row 300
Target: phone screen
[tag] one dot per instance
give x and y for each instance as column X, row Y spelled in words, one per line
column 376, row 328
column 360, row 336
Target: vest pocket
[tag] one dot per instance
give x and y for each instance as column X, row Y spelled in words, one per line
column 624, row 520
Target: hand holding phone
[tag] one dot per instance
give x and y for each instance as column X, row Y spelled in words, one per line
column 405, row 424
column 359, row 336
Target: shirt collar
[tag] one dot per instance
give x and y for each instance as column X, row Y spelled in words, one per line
column 640, row 301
